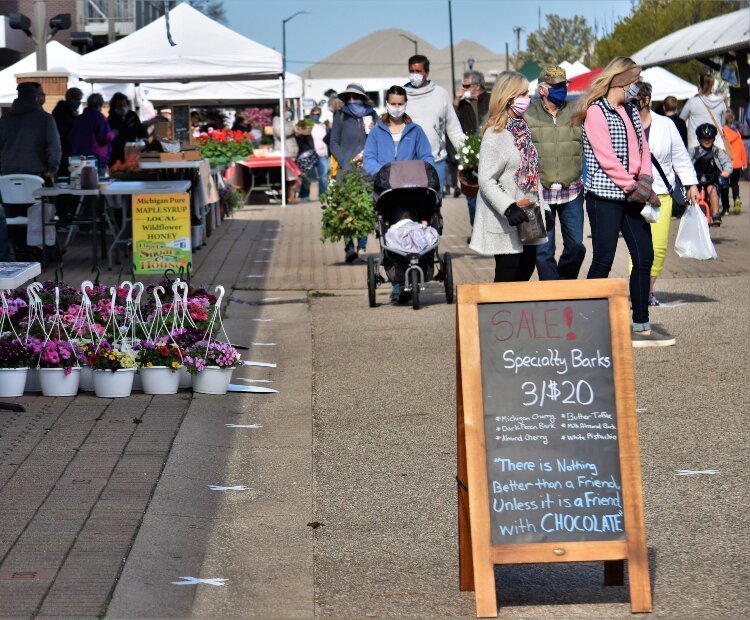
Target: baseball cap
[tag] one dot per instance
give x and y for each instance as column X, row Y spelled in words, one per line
column 552, row 75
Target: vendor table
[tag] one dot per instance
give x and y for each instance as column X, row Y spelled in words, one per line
column 96, row 219
column 13, row 275
column 205, row 195
column 265, row 166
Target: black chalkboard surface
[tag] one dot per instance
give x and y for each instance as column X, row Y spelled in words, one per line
column 550, row 421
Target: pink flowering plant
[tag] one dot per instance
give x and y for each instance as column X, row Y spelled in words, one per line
column 211, row 353
column 56, row 353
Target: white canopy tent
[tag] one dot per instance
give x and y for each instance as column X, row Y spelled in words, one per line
column 664, row 84
column 204, row 51
column 221, row 92
column 194, row 49
column 60, row 59
column 708, row 38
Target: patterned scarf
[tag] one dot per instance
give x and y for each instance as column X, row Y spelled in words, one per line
column 527, row 174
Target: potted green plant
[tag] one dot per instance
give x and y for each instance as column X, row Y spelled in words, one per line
column 347, row 207
column 468, row 162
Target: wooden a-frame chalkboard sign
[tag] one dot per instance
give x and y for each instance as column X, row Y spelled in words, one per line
column 548, row 456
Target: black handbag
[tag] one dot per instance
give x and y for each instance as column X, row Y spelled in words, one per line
column 534, row 229
column 679, row 199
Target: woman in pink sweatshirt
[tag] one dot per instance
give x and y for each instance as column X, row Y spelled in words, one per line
column 618, row 185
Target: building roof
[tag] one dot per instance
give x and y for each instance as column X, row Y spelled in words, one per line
column 384, row 53
column 708, row 38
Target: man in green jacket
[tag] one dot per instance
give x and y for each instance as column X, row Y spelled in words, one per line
column 558, row 142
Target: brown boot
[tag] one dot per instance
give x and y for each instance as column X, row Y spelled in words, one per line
column 291, row 197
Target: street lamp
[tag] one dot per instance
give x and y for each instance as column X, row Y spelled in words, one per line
column 282, row 104
column 416, row 51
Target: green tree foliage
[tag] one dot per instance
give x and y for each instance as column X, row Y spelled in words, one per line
column 210, row 8
column 563, row 38
column 651, row 20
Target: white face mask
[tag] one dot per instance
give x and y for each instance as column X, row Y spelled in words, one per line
column 467, row 94
column 416, row 79
column 395, row 111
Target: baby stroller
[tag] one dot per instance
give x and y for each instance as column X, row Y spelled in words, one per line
column 408, row 190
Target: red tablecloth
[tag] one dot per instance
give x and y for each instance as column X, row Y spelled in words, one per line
column 271, row 162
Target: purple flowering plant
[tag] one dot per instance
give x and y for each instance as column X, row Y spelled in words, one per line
column 14, row 353
column 211, row 353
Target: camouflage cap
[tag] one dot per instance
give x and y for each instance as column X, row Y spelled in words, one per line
column 553, row 75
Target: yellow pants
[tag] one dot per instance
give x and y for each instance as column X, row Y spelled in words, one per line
column 659, row 236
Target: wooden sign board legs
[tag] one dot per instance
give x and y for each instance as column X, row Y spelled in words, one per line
column 594, row 355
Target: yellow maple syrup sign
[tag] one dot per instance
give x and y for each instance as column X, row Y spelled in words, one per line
column 161, row 232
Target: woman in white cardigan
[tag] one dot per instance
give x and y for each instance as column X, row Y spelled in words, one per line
column 668, row 149
column 508, row 180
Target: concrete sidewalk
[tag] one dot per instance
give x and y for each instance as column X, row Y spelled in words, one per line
column 339, row 495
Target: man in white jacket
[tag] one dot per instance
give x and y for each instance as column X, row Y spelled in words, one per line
column 431, row 107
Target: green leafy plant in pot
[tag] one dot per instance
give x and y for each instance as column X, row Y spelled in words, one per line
column 347, row 207
column 468, row 162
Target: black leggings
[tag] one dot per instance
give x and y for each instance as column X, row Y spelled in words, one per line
column 734, row 183
column 515, row 267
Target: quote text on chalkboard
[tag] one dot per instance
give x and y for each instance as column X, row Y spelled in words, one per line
column 550, row 422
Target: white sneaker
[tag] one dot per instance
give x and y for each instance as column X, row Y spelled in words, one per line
column 652, row 338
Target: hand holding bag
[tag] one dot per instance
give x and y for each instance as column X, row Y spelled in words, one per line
column 534, row 229
column 693, row 239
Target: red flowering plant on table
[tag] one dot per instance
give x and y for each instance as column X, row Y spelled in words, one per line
column 221, row 146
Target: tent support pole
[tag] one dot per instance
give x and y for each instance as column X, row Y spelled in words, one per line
column 282, row 118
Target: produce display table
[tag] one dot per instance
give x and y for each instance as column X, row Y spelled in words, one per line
column 261, row 169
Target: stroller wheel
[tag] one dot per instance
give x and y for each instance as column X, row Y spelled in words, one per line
column 414, row 282
column 372, row 269
column 448, row 277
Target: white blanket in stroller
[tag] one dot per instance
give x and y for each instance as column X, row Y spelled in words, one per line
column 410, row 236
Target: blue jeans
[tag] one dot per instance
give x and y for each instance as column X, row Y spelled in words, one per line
column 471, row 202
column 4, row 243
column 608, row 218
column 322, row 168
column 440, row 167
column 570, row 215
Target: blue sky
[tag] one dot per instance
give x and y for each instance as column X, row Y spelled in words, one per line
column 333, row 24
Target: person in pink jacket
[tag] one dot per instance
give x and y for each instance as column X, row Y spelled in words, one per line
column 618, row 184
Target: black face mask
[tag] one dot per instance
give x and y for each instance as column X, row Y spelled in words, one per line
column 74, row 104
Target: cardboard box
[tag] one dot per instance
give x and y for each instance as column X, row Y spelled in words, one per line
column 171, row 156
column 192, row 155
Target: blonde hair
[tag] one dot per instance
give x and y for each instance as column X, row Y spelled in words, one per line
column 601, row 85
column 509, row 85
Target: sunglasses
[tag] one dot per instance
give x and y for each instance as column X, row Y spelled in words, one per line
column 467, row 86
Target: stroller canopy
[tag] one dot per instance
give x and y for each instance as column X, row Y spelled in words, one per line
column 405, row 175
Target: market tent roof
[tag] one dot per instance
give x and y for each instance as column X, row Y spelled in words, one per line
column 60, row 59
column 665, row 84
column 217, row 93
column 204, row 51
column 583, row 81
column 708, row 38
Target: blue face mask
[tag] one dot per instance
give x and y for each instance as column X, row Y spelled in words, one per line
column 557, row 94
column 631, row 93
column 315, row 117
column 358, row 108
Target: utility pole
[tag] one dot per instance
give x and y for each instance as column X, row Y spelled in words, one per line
column 111, row 10
column 517, row 31
column 453, row 64
column 40, row 34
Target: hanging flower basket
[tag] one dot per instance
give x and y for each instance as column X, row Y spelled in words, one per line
column 60, row 381
column 212, row 380
column 159, row 380
column 12, row 381
column 113, row 383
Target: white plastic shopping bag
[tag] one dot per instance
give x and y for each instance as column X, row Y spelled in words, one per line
column 34, row 225
column 693, row 239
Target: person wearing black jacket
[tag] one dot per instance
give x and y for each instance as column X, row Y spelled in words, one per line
column 64, row 114
column 127, row 124
column 472, row 103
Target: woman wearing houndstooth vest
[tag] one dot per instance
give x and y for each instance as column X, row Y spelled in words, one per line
column 618, row 184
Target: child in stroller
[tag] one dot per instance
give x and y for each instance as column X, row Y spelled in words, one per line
column 407, row 200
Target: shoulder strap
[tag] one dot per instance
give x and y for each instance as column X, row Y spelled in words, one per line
column 719, row 128
column 661, row 173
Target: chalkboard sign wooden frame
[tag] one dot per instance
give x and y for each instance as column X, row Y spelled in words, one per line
column 477, row 554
